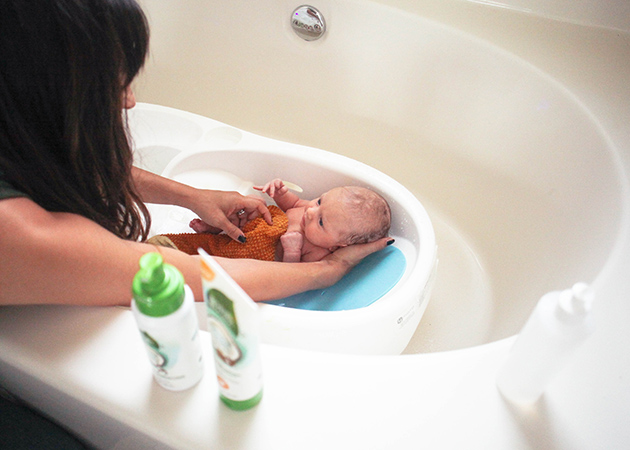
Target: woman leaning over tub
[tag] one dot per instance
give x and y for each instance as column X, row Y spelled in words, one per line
column 71, row 212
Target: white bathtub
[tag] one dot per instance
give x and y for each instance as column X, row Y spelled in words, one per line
column 524, row 188
column 512, row 131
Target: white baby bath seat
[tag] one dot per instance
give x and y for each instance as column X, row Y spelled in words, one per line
column 208, row 154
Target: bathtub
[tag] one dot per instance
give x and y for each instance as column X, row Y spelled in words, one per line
column 207, row 154
column 524, row 189
column 509, row 128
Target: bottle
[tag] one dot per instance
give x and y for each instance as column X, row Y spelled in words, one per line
column 163, row 307
column 233, row 322
column 560, row 323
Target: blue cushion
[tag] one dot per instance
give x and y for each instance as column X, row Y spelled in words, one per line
column 367, row 282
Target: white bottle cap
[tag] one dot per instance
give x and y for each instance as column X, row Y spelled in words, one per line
column 576, row 301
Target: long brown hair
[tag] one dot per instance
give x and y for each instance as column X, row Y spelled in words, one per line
column 64, row 68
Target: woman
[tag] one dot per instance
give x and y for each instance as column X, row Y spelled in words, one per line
column 71, row 212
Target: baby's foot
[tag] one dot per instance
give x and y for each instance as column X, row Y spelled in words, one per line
column 199, row 226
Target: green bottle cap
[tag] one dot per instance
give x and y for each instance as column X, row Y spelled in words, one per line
column 158, row 288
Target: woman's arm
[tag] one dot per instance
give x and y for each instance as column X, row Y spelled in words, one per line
column 62, row 258
column 216, row 208
column 266, row 280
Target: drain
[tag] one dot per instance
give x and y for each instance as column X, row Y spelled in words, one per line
column 308, row 23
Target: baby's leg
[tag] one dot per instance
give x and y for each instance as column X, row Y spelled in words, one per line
column 199, row 226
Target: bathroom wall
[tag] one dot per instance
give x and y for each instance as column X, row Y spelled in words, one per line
column 173, row 73
column 613, row 14
column 602, row 13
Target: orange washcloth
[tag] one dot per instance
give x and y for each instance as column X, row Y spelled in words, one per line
column 262, row 239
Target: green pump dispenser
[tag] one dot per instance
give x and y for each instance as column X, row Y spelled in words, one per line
column 158, row 288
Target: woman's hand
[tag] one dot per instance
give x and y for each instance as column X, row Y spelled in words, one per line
column 218, row 209
column 345, row 258
column 227, row 211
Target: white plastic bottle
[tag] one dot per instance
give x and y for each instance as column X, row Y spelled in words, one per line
column 560, row 323
column 164, row 310
column 233, row 322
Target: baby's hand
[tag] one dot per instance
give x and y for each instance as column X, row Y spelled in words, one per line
column 273, row 188
column 292, row 246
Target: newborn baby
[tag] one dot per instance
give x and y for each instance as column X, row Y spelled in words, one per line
column 302, row 230
column 340, row 217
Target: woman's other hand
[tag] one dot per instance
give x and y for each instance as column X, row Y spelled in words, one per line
column 347, row 257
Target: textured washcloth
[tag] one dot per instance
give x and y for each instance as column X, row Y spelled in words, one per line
column 262, row 239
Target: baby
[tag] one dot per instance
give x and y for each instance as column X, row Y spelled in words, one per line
column 302, row 230
column 340, row 217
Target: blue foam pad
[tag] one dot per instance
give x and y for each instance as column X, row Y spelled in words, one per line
column 367, row 282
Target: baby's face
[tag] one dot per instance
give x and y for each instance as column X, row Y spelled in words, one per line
column 325, row 222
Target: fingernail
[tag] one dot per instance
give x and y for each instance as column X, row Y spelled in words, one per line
column 391, row 241
column 242, row 239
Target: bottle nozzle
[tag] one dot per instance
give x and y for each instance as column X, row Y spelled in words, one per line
column 578, row 299
column 151, row 272
column 158, row 288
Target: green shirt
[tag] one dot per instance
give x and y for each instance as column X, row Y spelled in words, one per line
column 7, row 190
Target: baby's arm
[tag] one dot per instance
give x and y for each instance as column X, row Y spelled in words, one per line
column 292, row 246
column 293, row 239
column 284, row 198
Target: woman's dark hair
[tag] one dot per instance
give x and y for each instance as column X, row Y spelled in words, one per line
column 64, row 69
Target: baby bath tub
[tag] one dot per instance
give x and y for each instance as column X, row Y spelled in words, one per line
column 200, row 158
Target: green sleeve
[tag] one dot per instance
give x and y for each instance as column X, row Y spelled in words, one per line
column 8, row 191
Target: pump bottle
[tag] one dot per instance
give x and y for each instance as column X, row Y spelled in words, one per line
column 560, row 323
column 163, row 307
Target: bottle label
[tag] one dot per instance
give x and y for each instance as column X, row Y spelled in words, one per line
column 173, row 344
column 239, row 372
column 174, row 361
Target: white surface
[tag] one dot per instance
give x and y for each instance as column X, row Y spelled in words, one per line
column 61, row 358
column 294, row 412
column 609, row 13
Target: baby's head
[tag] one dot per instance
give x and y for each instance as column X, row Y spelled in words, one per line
column 368, row 215
column 345, row 216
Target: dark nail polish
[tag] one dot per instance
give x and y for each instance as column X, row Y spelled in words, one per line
column 391, row 241
column 242, row 239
